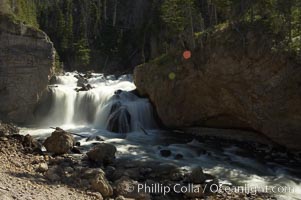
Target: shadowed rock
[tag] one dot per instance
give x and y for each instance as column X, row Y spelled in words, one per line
column 27, row 63
column 119, row 120
column 102, row 154
column 226, row 85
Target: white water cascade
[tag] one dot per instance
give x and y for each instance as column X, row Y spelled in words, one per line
column 108, row 107
column 108, row 103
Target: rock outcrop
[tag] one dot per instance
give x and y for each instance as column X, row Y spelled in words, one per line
column 234, row 80
column 26, row 64
column 60, row 142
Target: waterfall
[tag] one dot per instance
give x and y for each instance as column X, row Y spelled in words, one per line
column 103, row 102
column 108, row 104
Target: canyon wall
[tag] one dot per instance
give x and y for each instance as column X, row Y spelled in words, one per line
column 26, row 64
column 234, row 79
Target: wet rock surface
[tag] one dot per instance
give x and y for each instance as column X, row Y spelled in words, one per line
column 165, row 153
column 102, row 154
column 82, row 79
column 119, row 120
column 84, row 88
column 197, row 176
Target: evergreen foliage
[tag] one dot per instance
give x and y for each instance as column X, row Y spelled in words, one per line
column 25, row 10
column 92, row 33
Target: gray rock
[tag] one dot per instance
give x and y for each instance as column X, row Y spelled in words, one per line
column 30, row 142
column 165, row 153
column 69, row 170
column 120, row 198
column 27, row 63
column 60, row 142
column 119, row 120
column 226, row 85
column 197, row 176
column 128, row 188
column 53, row 80
column 3, row 138
column 102, row 153
column 99, row 183
column 84, row 88
column 53, row 173
column 7, row 129
column 76, row 150
column 179, row 156
column 43, row 167
column 89, row 173
column 166, row 171
column 110, row 172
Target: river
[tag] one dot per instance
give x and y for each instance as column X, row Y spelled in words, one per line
column 109, row 105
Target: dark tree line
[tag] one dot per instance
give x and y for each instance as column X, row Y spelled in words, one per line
column 281, row 17
column 123, row 33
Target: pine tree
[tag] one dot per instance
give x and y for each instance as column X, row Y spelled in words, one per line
column 180, row 17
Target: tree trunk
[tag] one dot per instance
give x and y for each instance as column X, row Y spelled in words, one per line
column 106, row 61
column 143, row 48
column 192, row 28
column 215, row 15
column 86, row 20
column 105, row 10
column 209, row 12
column 252, row 13
column 115, row 13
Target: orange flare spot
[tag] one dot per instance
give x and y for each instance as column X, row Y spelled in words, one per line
column 187, row 54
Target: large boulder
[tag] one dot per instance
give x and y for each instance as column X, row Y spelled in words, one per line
column 102, row 154
column 27, row 58
column 99, row 183
column 60, row 142
column 119, row 120
column 233, row 80
column 197, row 176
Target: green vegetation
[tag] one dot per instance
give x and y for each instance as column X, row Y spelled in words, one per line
column 282, row 18
column 163, row 59
column 25, row 11
column 100, row 34
column 93, row 33
column 4, row 7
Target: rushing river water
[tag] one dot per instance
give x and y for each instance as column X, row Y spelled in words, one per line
column 109, row 103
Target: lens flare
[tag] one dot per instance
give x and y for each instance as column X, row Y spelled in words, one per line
column 187, row 54
column 172, row 75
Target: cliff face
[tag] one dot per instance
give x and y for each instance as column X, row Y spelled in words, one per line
column 234, row 81
column 26, row 63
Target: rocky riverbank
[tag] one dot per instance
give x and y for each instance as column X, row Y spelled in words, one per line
column 22, row 175
column 27, row 173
